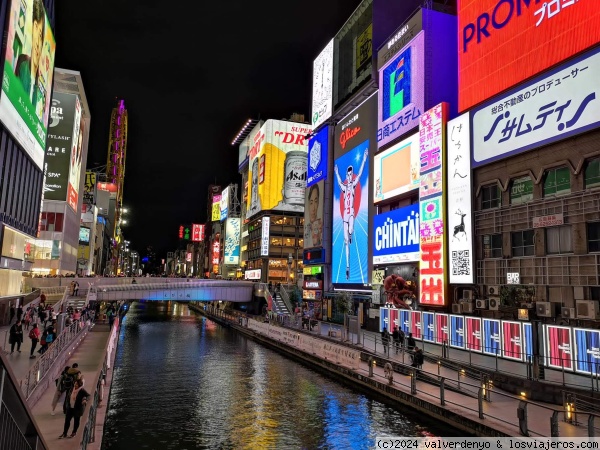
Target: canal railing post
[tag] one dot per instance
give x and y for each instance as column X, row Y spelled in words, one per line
column 480, row 402
column 522, row 416
column 371, row 363
column 442, row 396
column 413, row 382
column 591, row 432
column 458, row 373
column 554, row 424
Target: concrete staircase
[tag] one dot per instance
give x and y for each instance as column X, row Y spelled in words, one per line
column 280, row 306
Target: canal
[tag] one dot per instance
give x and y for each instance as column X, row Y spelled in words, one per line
column 182, row 381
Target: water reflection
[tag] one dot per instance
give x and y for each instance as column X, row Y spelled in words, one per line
column 184, row 382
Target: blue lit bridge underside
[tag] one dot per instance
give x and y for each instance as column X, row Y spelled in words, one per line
column 194, row 290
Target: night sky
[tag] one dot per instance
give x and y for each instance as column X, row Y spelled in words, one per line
column 191, row 74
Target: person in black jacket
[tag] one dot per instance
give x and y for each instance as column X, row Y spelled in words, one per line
column 75, row 403
column 16, row 337
column 417, row 358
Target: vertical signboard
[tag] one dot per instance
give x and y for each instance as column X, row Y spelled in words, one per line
column 512, row 340
column 473, row 338
column 322, row 91
column 216, row 208
column 264, row 240
column 318, row 156
column 405, row 321
column 89, row 188
column 559, row 348
column 224, row 204
column 313, row 215
column 528, row 341
column 416, row 324
column 428, row 326
column 457, row 331
column 197, row 232
column 216, row 249
column 432, row 129
column 27, row 76
column 587, row 351
column 459, row 194
column 394, row 319
column 351, row 200
column 491, row 337
column 231, row 252
column 384, row 318
column 442, row 330
column 76, row 158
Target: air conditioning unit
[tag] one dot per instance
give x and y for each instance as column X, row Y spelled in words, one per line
column 567, row 313
column 493, row 290
column 494, row 303
column 481, row 304
column 587, row 309
column 544, row 309
column 467, row 308
column 456, row 308
column 467, row 295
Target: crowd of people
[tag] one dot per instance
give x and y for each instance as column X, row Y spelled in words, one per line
column 400, row 341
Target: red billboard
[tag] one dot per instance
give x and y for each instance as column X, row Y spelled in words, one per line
column 504, row 42
column 415, row 324
column 512, row 340
column 559, row 347
column 197, row 232
column 473, row 337
column 441, row 328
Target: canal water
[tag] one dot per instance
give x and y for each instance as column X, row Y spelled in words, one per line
column 182, row 381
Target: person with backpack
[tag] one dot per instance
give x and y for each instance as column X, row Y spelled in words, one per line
column 410, row 342
column 63, row 383
column 34, row 335
column 417, row 358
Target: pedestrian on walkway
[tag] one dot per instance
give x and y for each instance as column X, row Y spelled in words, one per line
column 75, row 403
column 34, row 335
column 385, row 340
column 62, row 385
column 27, row 319
column 410, row 342
column 396, row 339
column 20, row 312
column 16, row 337
column 417, row 358
column 75, row 288
column 12, row 313
column 42, row 298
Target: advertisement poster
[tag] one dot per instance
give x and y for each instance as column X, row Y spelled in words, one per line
column 231, row 251
column 460, row 243
column 224, row 204
column 428, row 326
column 491, row 337
column 59, row 144
column 457, row 331
column 384, row 319
column 27, row 76
column 216, row 208
column 277, row 168
column 89, row 188
column 322, row 91
column 405, row 321
column 197, row 232
column 415, row 324
column 512, row 340
column 84, row 235
column 528, row 341
column 394, row 319
column 559, row 352
column 351, row 216
column 313, row 215
column 442, row 330
column 587, row 351
column 473, row 340
column 396, row 235
column 318, row 156
column 432, row 130
column 76, row 158
column 402, row 91
column 523, row 38
column 397, row 169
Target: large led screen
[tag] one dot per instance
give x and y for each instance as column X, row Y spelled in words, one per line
column 491, row 337
column 559, row 350
column 84, row 235
column 512, row 340
column 322, row 92
column 231, row 250
column 27, row 77
column 587, row 351
column 402, row 91
column 502, row 43
column 313, row 215
column 76, row 159
column 397, row 169
column 277, row 168
column 396, row 235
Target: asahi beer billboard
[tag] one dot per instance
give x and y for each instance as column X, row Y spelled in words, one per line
column 59, row 145
column 277, row 167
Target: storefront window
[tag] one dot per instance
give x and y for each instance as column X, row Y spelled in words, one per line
column 521, row 191
column 490, row 197
column 557, row 181
column 592, row 173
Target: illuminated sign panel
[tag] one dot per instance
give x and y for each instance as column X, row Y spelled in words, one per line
column 216, row 208
column 76, row 158
column 277, row 168
column 402, row 91
column 231, row 255
column 322, row 92
column 254, row 274
column 318, row 155
column 313, row 215
column 432, row 130
column 396, row 235
column 460, row 242
column 397, row 169
column 84, row 235
column 216, row 249
column 587, row 350
column 264, row 240
column 197, row 232
column 224, row 204
column 473, row 340
column 559, row 349
column 491, row 337
column 457, row 331
column 512, row 340
column 503, row 42
column 561, row 103
column 27, row 76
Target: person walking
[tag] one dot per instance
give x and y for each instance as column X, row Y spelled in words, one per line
column 12, row 313
column 417, row 358
column 34, row 335
column 410, row 342
column 396, row 339
column 20, row 312
column 385, row 340
column 75, row 288
column 62, row 385
column 16, row 337
column 75, row 403
column 27, row 318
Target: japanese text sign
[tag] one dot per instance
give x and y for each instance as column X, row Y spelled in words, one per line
column 197, row 232
column 264, row 240
column 562, row 103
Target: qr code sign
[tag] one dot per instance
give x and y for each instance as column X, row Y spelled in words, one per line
column 461, row 262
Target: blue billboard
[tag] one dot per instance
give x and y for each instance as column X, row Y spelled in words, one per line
column 491, row 336
column 428, row 326
column 318, row 153
column 396, row 235
column 528, row 341
column 457, row 331
column 351, row 217
column 384, row 319
column 587, row 348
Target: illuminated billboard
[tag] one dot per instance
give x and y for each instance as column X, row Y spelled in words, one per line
column 89, row 188
column 59, row 145
column 27, row 76
column 460, row 243
column 491, row 336
column 84, row 235
column 318, row 156
column 457, row 331
column 197, row 232
column 559, row 351
column 397, row 169
column 428, row 326
column 76, row 159
column 587, row 350
column 322, row 91
column 277, row 168
column 224, row 204
column 512, row 340
column 216, row 249
column 442, row 329
column 563, row 102
column 432, row 130
column 473, row 338
column 231, row 251
column 313, row 215
column 216, row 208
column 396, row 235
column 503, row 42
column 402, row 91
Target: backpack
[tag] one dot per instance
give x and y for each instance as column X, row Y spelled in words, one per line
column 32, row 334
column 49, row 338
column 68, row 381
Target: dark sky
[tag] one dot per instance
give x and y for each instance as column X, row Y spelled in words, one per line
column 191, row 74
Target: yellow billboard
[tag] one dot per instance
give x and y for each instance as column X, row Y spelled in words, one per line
column 216, row 208
column 277, row 167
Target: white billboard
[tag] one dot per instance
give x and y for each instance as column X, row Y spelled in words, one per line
column 459, row 191
column 224, row 203
column 264, row 240
column 231, row 252
column 322, row 93
column 397, row 169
